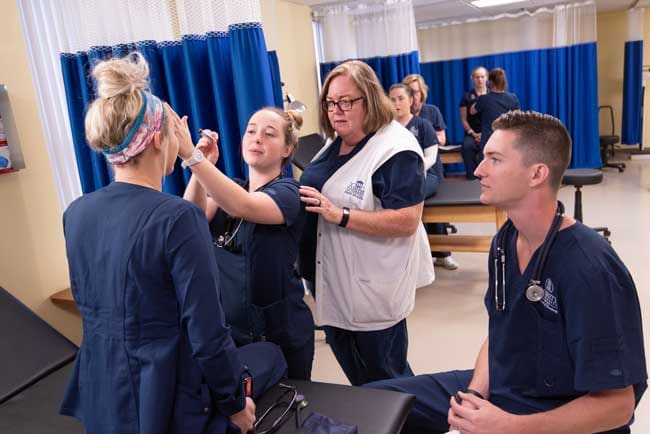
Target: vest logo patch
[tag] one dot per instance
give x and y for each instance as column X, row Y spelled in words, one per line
column 549, row 301
column 414, row 131
column 356, row 189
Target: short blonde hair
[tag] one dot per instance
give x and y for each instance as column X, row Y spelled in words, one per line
column 380, row 109
column 120, row 83
column 423, row 86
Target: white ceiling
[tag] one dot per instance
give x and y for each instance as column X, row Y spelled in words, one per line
column 431, row 11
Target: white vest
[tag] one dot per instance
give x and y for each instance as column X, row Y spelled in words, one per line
column 368, row 282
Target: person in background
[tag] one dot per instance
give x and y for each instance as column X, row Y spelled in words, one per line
column 402, row 98
column 156, row 355
column 472, row 122
column 493, row 104
column 364, row 249
column 427, row 111
column 432, row 114
column 256, row 226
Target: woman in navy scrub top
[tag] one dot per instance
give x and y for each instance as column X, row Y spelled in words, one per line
column 402, row 98
column 493, row 104
column 472, row 122
column 255, row 226
column 156, row 355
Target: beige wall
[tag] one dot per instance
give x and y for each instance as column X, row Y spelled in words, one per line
column 288, row 30
column 612, row 33
column 32, row 254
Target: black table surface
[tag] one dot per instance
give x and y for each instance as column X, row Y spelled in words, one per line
column 456, row 193
column 29, row 346
column 35, row 410
column 372, row 411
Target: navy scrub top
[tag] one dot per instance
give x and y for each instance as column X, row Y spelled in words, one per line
column 426, row 137
column 585, row 335
column 261, row 291
column 492, row 105
column 398, row 183
column 467, row 101
column 156, row 354
column 432, row 113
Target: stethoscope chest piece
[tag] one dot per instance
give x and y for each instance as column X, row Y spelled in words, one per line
column 534, row 292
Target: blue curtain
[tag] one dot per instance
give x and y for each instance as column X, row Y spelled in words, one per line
column 562, row 82
column 218, row 80
column 276, row 80
column 631, row 128
column 389, row 70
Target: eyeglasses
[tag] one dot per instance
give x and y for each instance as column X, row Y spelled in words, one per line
column 296, row 400
column 345, row 105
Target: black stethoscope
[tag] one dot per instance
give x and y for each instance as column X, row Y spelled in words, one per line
column 226, row 239
column 534, row 291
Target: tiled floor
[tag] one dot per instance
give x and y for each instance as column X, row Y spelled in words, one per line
column 450, row 323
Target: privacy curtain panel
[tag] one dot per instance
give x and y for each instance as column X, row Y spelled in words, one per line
column 550, row 61
column 631, row 127
column 381, row 33
column 207, row 58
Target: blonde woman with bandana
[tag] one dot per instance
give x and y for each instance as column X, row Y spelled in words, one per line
column 156, row 355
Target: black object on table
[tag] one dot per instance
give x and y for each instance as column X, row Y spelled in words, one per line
column 373, row 411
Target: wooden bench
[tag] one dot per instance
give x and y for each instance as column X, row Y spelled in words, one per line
column 448, row 157
column 458, row 202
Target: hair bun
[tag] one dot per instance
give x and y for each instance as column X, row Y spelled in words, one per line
column 121, row 76
column 296, row 118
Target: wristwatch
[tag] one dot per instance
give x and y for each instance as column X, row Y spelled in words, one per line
column 196, row 157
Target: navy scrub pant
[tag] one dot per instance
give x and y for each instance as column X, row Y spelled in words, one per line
column 431, row 183
column 432, row 393
column 300, row 359
column 471, row 154
column 373, row 355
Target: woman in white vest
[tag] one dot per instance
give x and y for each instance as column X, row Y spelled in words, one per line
column 364, row 249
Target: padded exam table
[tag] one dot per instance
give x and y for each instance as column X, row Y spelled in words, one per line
column 458, row 202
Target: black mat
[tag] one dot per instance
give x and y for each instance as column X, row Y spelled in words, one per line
column 35, row 410
column 30, row 348
column 373, row 411
column 456, row 193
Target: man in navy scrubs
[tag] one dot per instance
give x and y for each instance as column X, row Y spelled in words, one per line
column 564, row 352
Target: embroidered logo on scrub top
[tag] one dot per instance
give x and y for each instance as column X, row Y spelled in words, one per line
column 549, row 301
column 356, row 189
column 414, row 131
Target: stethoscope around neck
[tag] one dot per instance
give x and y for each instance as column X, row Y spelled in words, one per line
column 534, row 290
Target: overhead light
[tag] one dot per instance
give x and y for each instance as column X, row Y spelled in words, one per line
column 490, row 3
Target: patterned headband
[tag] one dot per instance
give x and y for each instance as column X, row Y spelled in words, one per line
column 141, row 133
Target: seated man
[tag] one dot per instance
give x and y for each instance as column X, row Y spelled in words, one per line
column 564, row 352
